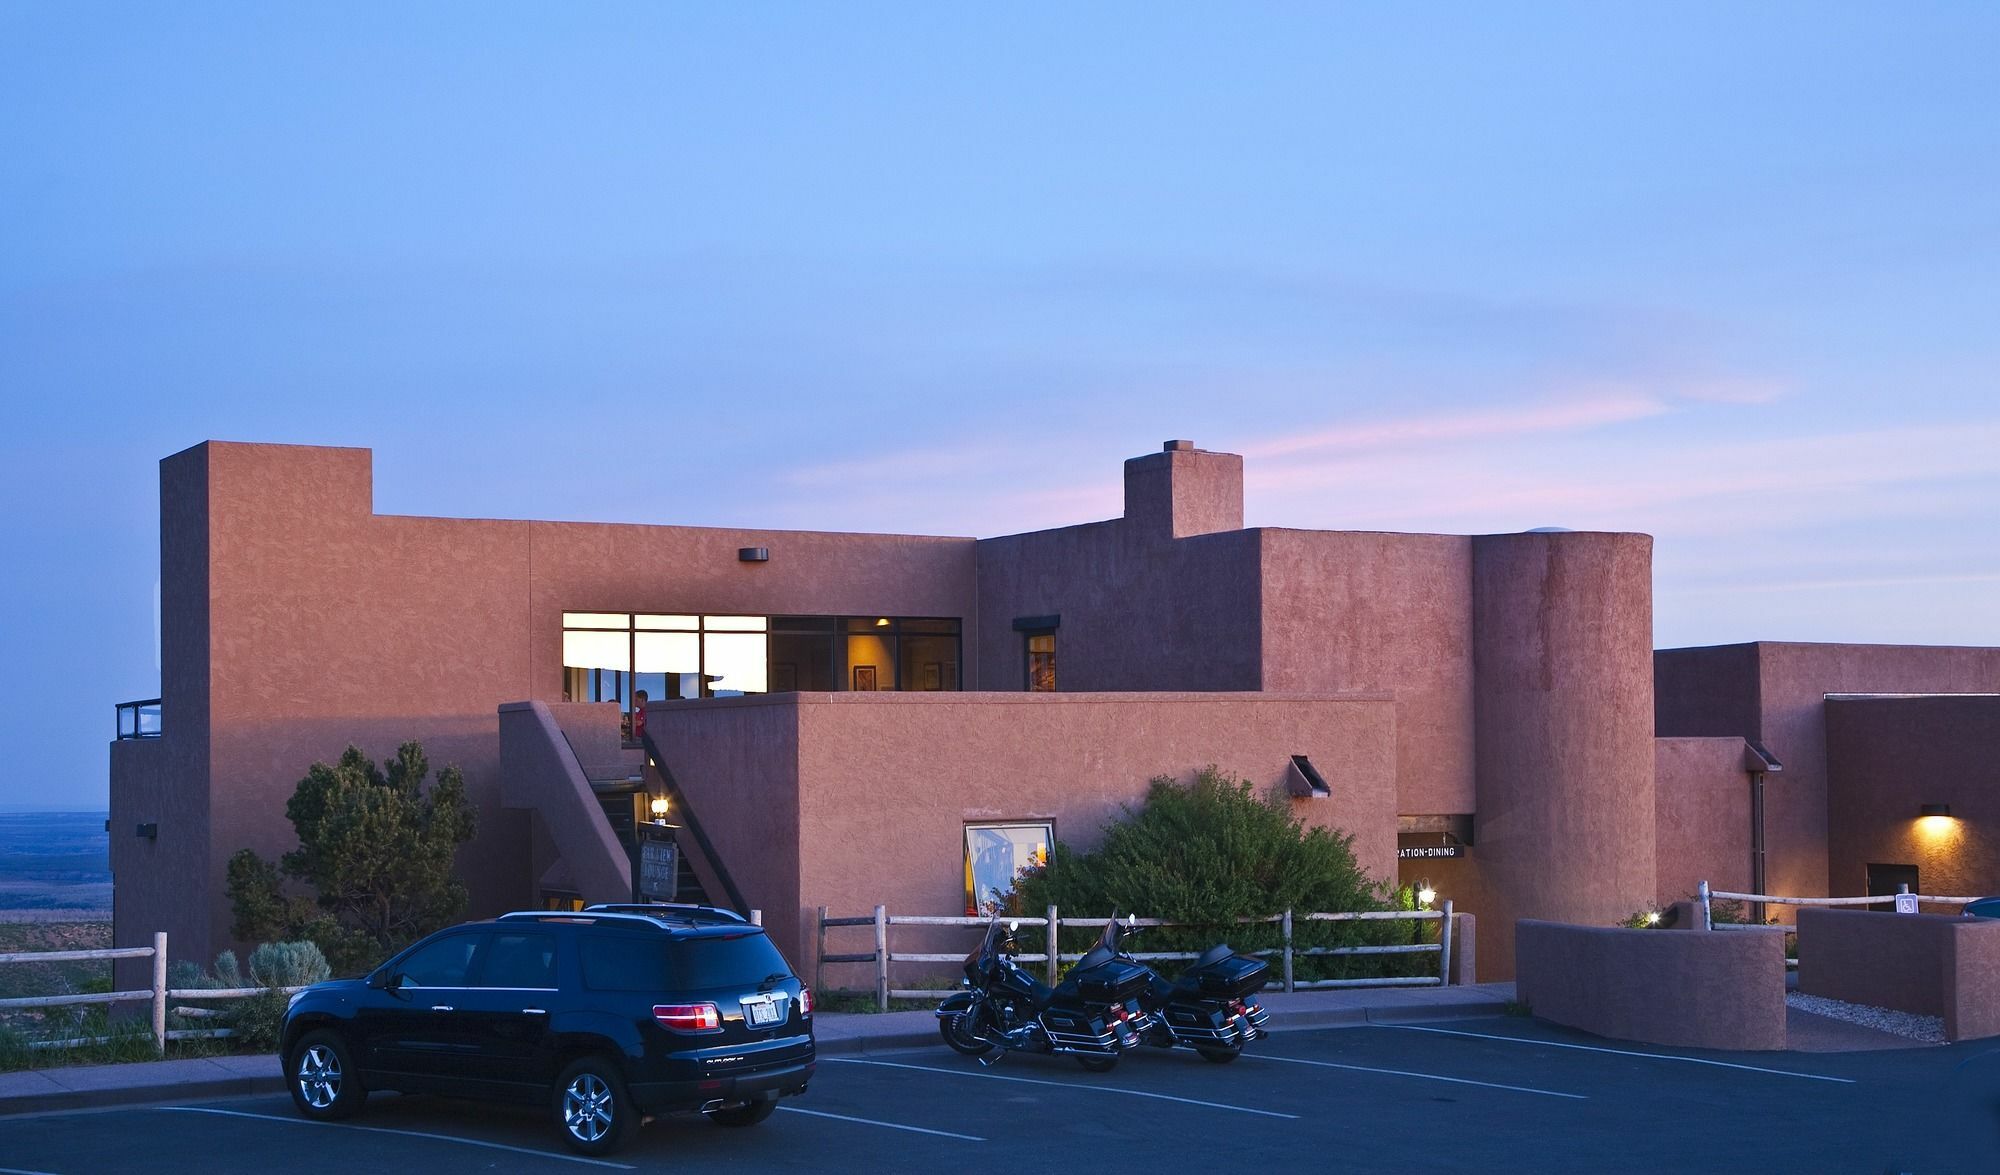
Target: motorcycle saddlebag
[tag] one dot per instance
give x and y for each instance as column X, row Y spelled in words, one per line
column 1114, row 981
column 1230, row 978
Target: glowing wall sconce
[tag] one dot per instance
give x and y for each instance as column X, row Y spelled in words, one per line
column 1943, row 810
column 659, row 807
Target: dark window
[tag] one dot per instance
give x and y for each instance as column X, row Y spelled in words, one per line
column 519, row 960
column 624, row 964
column 688, row 964
column 440, row 964
column 1041, row 648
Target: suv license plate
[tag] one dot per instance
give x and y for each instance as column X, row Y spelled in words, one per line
column 762, row 1012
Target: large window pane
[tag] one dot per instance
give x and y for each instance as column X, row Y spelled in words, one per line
column 735, row 623
column 735, row 662
column 801, row 662
column 871, row 662
column 597, row 650
column 929, row 662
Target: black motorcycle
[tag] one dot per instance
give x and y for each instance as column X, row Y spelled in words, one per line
column 1210, row 1007
column 1092, row 1015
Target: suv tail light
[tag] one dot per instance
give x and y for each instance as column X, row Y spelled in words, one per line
column 688, row 1017
column 805, row 1001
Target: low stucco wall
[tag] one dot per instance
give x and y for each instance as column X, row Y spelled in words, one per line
column 1696, row 990
column 847, row 800
column 1930, row 964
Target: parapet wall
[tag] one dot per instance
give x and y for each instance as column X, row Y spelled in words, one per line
column 1929, row 964
column 1693, row 989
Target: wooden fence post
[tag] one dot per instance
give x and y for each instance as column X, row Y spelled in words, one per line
column 1707, row 918
column 1287, row 924
column 819, row 956
column 882, row 958
column 160, row 992
column 1444, row 946
column 1055, row 947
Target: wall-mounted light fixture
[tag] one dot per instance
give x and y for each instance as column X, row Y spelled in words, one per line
column 659, row 808
column 149, row 831
column 753, row 554
column 1425, row 895
column 882, row 623
column 1935, row 810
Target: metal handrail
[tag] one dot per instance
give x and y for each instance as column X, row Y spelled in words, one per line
column 685, row 812
column 138, row 712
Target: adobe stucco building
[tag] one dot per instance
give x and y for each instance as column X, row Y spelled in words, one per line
column 886, row 718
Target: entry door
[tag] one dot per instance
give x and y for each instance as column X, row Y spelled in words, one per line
column 1886, row 880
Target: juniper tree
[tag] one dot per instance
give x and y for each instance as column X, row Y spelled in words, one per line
column 375, row 853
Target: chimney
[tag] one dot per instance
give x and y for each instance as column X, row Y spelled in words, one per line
column 1181, row 491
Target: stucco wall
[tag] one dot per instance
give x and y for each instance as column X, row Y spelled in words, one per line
column 1701, row 806
column 1372, row 612
column 867, row 832
column 296, row 622
column 1888, row 756
column 1704, row 691
column 165, row 781
column 1562, row 631
column 1692, row 989
column 1140, row 610
column 1930, row 964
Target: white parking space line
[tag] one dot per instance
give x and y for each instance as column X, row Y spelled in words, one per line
column 890, row 1125
column 497, row 1146
column 1410, row 1073
column 20, row 1171
column 1590, row 1048
column 1165, row 1097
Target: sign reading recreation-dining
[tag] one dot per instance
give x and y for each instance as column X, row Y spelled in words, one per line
column 1427, row 851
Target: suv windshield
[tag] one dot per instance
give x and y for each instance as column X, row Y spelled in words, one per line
column 649, row 964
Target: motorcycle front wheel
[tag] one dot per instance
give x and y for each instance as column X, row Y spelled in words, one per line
column 957, row 1032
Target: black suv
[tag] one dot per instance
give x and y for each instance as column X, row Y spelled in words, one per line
column 607, row 1016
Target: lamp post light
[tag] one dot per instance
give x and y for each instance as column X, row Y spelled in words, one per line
column 659, row 807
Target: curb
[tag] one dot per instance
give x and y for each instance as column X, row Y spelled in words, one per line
column 134, row 1095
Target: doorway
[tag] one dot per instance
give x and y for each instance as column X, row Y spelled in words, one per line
column 1888, row 880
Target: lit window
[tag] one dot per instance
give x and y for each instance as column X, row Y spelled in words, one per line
column 1042, row 662
column 995, row 857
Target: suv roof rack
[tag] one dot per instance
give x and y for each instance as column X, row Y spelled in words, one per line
column 680, row 911
column 583, row 916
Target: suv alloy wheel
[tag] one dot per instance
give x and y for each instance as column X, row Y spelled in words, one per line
column 591, row 1106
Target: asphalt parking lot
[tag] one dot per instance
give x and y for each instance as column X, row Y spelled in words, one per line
column 1489, row 1094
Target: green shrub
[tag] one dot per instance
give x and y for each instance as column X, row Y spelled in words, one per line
column 1210, row 852
column 288, row 964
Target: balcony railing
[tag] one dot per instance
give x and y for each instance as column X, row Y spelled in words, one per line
column 139, row 719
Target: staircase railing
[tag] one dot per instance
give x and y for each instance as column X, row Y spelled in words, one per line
column 684, row 813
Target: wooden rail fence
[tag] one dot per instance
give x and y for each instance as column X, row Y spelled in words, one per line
column 157, row 995
column 1052, row 956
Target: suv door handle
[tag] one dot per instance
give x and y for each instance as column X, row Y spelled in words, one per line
column 440, row 1007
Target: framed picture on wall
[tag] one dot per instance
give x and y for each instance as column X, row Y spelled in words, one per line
column 864, row 679
column 933, row 675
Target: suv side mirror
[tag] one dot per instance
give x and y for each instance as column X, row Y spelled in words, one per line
column 384, row 979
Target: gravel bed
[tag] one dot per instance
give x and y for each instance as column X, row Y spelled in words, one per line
column 1929, row 1029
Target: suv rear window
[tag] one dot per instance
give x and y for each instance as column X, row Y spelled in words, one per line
column 651, row 964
